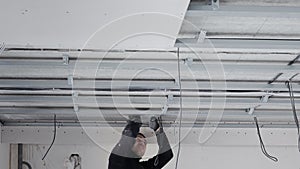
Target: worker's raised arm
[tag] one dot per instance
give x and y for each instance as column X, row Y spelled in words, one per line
column 165, row 153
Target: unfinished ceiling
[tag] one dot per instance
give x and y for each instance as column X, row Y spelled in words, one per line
column 235, row 58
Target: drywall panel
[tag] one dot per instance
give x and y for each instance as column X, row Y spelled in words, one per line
column 72, row 24
column 209, row 136
column 237, row 157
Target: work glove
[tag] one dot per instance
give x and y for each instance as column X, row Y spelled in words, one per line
column 153, row 124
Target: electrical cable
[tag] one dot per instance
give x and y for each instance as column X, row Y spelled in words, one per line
column 27, row 164
column 180, row 102
column 262, row 146
column 54, row 137
column 292, row 98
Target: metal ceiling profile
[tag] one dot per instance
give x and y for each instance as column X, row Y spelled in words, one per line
column 235, row 28
column 247, row 42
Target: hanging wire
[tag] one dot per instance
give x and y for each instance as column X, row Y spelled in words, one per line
column 262, row 146
column 180, row 101
column 54, row 137
column 292, row 98
column 26, row 164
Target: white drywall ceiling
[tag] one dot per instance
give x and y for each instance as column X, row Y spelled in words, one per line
column 70, row 24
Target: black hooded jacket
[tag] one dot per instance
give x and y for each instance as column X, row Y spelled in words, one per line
column 122, row 156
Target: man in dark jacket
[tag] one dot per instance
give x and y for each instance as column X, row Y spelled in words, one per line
column 132, row 146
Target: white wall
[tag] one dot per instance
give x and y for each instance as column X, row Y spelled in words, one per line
column 4, row 156
column 237, row 157
column 232, row 148
column 4, row 153
column 192, row 156
column 93, row 157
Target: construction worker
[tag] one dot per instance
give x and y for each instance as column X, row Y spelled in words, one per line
column 132, row 146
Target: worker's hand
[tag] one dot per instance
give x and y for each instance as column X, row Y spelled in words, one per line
column 160, row 122
column 153, row 124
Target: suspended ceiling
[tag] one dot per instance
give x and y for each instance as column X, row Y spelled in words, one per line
column 95, row 68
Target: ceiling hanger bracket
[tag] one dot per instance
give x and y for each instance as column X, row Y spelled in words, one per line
column 70, row 80
column 65, row 58
column 201, row 36
column 2, row 48
column 215, row 4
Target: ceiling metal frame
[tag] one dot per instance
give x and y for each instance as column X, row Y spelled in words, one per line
column 244, row 11
column 36, row 83
column 34, row 95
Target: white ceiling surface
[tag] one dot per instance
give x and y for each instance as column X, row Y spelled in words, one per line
column 72, row 24
column 142, row 73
